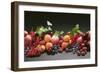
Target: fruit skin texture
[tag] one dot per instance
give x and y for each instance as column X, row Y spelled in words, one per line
column 39, row 48
column 33, row 52
column 60, row 50
column 66, row 38
column 55, row 39
column 64, row 45
column 32, row 34
column 27, row 41
column 49, row 45
column 55, row 49
column 42, row 42
column 43, row 48
column 74, row 38
column 60, row 42
column 79, row 39
column 47, row 38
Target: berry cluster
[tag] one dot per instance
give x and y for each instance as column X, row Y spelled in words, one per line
column 53, row 42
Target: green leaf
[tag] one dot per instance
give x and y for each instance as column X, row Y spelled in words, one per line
column 75, row 30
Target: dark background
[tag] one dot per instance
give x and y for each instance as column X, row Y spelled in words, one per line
column 60, row 21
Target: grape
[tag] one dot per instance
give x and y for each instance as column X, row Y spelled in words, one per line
column 55, row 49
column 67, row 50
column 83, row 53
column 28, row 53
column 79, row 39
column 53, row 52
column 33, row 52
column 75, row 47
column 74, row 51
column 49, row 51
column 42, row 42
column 78, row 53
column 61, row 37
column 88, row 46
column 87, row 36
column 60, row 50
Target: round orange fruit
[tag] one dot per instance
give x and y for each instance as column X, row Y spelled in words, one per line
column 64, row 45
column 49, row 45
column 47, row 38
column 66, row 38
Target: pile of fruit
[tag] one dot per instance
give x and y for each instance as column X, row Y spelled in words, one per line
column 47, row 40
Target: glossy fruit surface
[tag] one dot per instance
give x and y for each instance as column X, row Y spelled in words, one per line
column 47, row 38
column 66, row 38
column 49, row 45
column 55, row 39
column 64, row 45
column 44, row 39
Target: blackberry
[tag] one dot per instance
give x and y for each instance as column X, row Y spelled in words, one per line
column 55, row 49
column 53, row 52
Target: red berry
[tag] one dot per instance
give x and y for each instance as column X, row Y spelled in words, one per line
column 42, row 42
column 27, row 41
column 83, row 53
column 60, row 50
column 79, row 39
column 60, row 42
column 78, row 53
column 32, row 33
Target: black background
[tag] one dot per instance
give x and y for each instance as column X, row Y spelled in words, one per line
column 60, row 21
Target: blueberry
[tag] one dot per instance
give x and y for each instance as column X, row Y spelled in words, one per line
column 74, row 50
